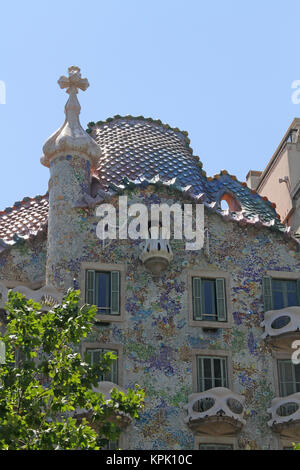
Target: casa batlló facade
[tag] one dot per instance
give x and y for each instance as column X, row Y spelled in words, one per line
column 207, row 333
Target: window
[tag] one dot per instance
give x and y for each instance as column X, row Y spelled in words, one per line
column 109, row 445
column 209, row 299
column 94, row 356
column 215, row 443
column 215, row 446
column 103, row 290
column 211, row 373
column 288, row 377
column 280, row 293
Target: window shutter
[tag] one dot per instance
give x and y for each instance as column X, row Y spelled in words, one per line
column 90, row 287
column 114, row 370
column 115, row 293
column 298, row 291
column 197, row 301
column 2, row 352
column 221, row 299
column 200, row 375
column 267, row 293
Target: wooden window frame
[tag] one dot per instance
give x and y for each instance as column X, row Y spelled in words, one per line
column 209, row 274
column 224, row 376
column 215, row 440
column 282, row 276
column 103, row 267
column 211, row 353
column 110, row 346
column 280, row 356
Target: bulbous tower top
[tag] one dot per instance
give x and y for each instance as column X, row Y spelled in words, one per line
column 71, row 137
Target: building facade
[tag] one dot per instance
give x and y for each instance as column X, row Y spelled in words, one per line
column 280, row 180
column 207, row 333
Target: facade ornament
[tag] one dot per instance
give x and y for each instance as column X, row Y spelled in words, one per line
column 217, row 411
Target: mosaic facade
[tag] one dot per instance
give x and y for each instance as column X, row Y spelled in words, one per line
column 155, row 336
column 156, row 339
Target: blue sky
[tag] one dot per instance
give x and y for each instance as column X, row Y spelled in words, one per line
column 221, row 70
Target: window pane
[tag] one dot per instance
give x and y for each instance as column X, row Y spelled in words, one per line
column 103, row 292
column 284, row 293
column 278, row 294
column 94, row 356
column 109, row 445
column 207, row 374
column 292, row 299
column 200, row 378
column 211, row 373
column 297, row 372
column 289, row 377
column 217, row 373
column 209, row 295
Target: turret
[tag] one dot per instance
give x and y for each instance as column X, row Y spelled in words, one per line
column 71, row 154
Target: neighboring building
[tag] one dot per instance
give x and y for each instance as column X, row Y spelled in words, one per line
column 215, row 366
column 280, row 180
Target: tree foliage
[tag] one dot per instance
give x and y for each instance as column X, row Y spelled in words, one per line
column 45, row 383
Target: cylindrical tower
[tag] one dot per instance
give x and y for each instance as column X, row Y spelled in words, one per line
column 70, row 153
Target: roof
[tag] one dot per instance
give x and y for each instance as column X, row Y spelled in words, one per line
column 142, row 151
column 142, row 148
column 24, row 220
column 133, row 147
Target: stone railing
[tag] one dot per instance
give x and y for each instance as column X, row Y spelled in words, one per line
column 281, row 326
column 217, row 405
column 47, row 296
column 285, row 415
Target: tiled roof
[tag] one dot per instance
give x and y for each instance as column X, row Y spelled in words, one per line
column 133, row 147
column 143, row 151
column 138, row 148
column 252, row 204
column 242, row 217
column 24, row 220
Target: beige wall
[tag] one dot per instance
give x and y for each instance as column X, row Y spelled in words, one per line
column 279, row 192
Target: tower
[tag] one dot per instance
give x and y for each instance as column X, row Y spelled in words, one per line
column 71, row 154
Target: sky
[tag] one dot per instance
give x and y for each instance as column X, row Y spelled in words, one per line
column 220, row 70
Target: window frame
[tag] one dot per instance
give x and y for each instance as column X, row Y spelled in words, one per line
column 103, row 267
column 215, row 440
column 222, row 354
column 110, row 346
column 278, row 375
column 116, row 363
column 209, row 274
column 280, row 276
column 276, row 356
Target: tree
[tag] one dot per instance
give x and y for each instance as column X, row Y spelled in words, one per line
column 45, row 381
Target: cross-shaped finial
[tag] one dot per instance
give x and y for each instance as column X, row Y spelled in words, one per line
column 74, row 81
column 70, row 138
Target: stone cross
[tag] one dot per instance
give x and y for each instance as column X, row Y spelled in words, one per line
column 74, row 81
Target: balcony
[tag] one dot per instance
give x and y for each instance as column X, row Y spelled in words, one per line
column 156, row 255
column 121, row 419
column 217, row 411
column 282, row 327
column 46, row 296
column 285, row 416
